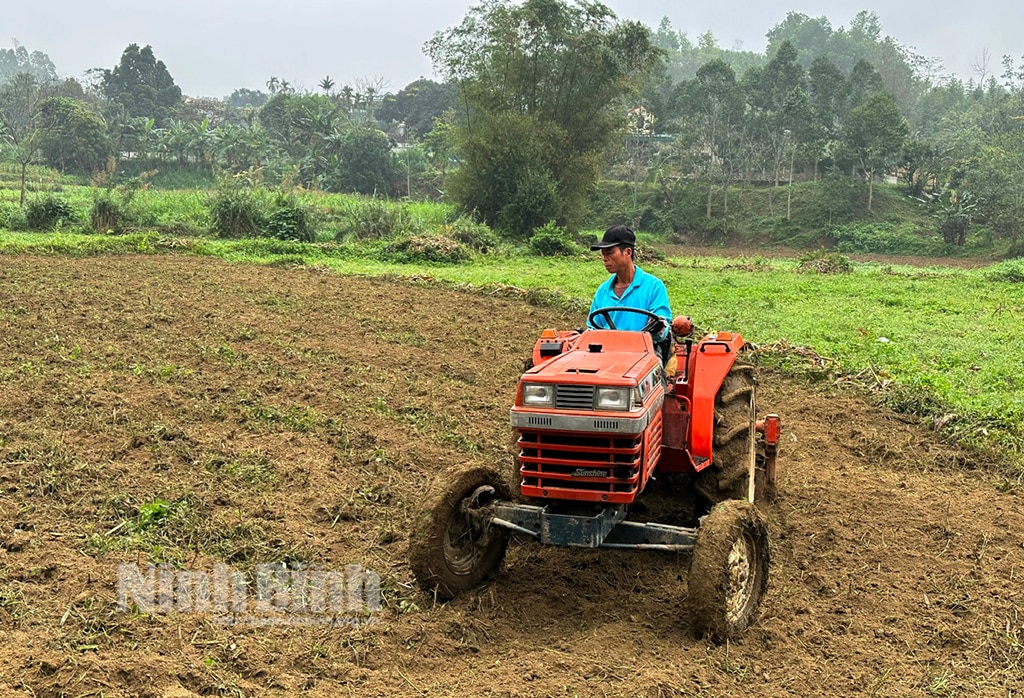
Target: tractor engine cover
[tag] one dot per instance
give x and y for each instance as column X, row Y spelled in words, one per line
column 589, row 420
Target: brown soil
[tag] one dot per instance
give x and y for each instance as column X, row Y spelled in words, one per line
column 286, row 414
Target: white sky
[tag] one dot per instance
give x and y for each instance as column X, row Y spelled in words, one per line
column 212, row 47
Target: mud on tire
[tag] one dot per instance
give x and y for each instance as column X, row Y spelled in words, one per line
column 728, row 574
column 450, row 550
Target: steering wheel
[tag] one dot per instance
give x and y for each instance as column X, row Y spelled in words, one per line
column 655, row 324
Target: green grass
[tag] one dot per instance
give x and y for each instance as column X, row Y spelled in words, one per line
column 186, row 212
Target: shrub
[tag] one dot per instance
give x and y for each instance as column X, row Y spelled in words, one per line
column 643, row 206
column 236, row 212
column 105, row 215
column 884, row 238
column 291, row 221
column 550, row 240
column 426, row 248
column 822, row 262
column 535, row 198
column 12, row 217
column 47, row 213
column 476, row 236
column 834, row 199
column 1011, row 271
column 372, row 218
column 648, row 255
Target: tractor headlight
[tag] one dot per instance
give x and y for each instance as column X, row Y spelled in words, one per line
column 538, row 395
column 613, row 398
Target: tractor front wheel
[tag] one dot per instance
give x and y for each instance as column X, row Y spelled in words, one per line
column 453, row 546
column 728, row 571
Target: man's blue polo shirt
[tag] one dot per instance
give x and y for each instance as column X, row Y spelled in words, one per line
column 647, row 292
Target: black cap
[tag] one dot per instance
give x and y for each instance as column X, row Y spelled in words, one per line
column 616, row 235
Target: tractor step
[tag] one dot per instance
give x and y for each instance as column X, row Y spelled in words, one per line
column 607, row 528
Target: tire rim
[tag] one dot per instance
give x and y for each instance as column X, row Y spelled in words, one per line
column 464, row 544
column 740, row 579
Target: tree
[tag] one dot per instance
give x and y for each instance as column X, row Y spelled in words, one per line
column 142, row 85
column 365, row 100
column 73, row 138
column 782, row 74
column 244, row 97
column 18, row 60
column 19, row 122
column 808, row 35
column 508, row 152
column 875, row 134
column 439, row 143
column 306, row 130
column 827, row 93
column 556, row 71
column 777, row 97
column 899, row 68
column 956, row 210
column 998, row 180
column 19, row 107
column 241, row 147
column 310, row 132
column 864, row 81
column 417, row 105
column 365, row 165
column 714, row 107
column 173, row 140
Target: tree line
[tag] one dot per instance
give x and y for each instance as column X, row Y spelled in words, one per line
column 538, row 100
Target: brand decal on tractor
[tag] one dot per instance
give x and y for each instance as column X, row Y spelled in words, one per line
column 592, row 472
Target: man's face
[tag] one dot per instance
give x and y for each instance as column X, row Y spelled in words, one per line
column 616, row 259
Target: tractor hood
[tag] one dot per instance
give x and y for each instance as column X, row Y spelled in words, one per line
column 606, row 381
column 600, row 357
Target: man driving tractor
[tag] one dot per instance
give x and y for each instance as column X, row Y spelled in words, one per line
column 631, row 287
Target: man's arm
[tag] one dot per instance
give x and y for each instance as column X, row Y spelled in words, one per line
column 659, row 303
column 598, row 302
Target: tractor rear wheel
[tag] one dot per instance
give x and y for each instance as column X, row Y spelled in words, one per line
column 453, row 546
column 735, row 440
column 728, row 571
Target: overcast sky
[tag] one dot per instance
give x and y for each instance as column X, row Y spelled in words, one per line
column 212, row 47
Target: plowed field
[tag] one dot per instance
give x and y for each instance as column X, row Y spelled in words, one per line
column 187, row 411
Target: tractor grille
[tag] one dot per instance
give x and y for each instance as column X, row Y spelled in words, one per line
column 574, row 397
column 592, row 467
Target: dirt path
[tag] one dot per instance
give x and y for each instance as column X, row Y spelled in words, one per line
column 182, row 410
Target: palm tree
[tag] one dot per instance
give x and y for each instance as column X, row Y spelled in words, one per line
column 175, row 140
column 327, row 85
column 347, row 98
column 273, row 83
column 144, row 129
column 200, row 140
column 371, row 100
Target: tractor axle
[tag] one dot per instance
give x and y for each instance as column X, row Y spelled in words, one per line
column 605, row 528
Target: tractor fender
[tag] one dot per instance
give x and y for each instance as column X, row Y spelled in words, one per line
column 711, row 361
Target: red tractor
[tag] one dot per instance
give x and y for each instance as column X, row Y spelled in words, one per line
column 598, row 419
